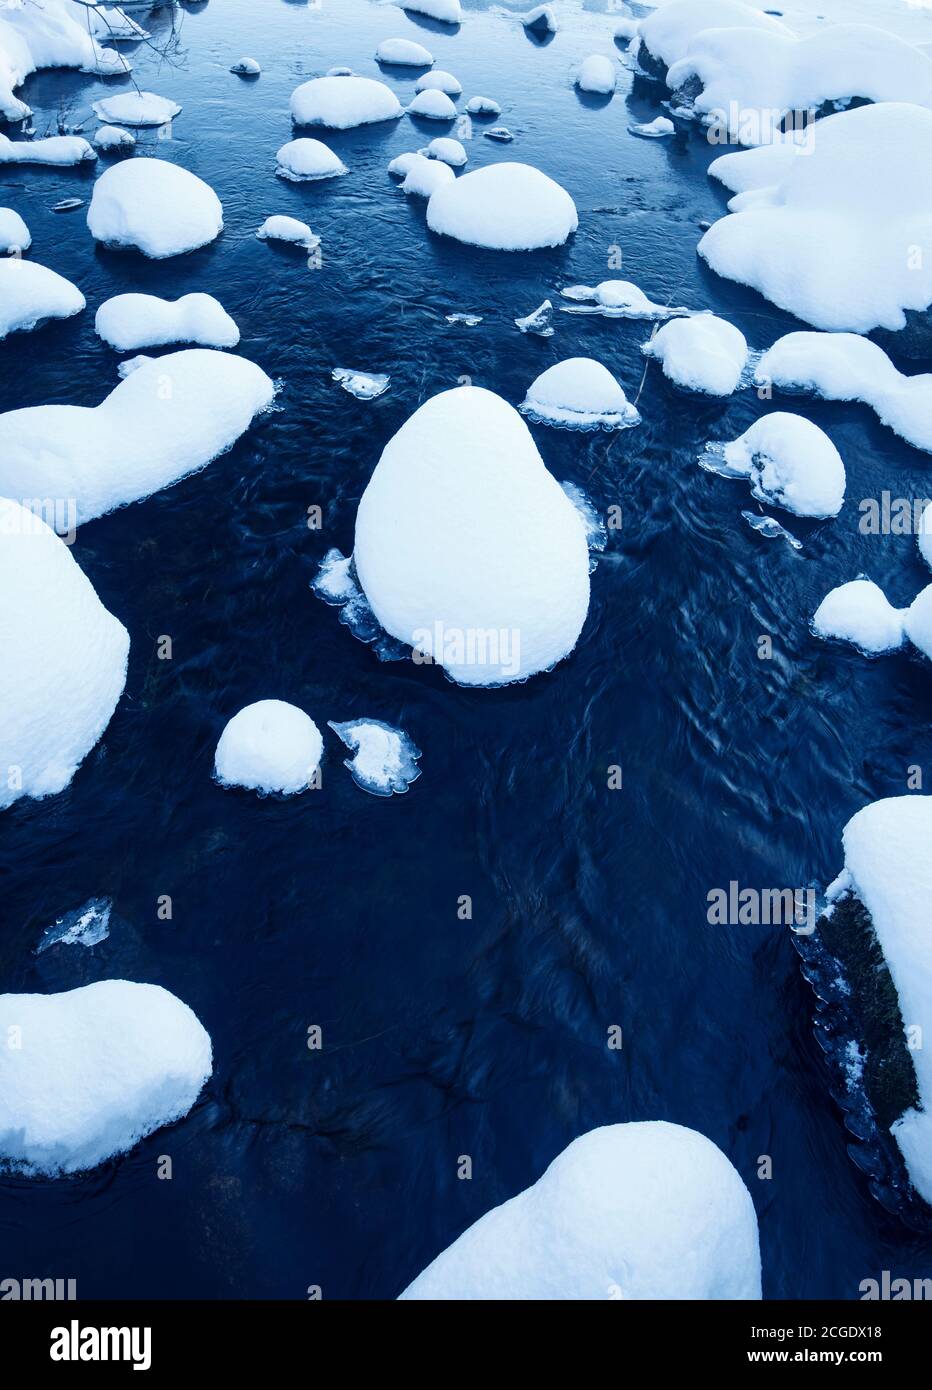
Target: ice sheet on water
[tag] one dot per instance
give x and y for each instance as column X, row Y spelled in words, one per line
column 85, row 926
column 499, row 132
column 596, row 530
column 384, row 758
column 768, row 526
column 540, row 322
column 652, row 130
column 470, row 320
column 617, row 299
column 360, row 384
column 336, row 583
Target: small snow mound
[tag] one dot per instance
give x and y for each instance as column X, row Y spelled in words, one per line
column 653, row 130
column 446, row 11
column 579, row 394
column 268, row 747
column 617, row 299
column 504, row 207
column 439, row 81
column 404, row 53
column 15, row 236
column 31, row 294
column 483, row 106
column 114, row 137
column 136, row 108
column 596, row 75
column 384, row 758
column 432, row 105
column 62, row 151
column 917, row 619
column 341, row 103
column 290, row 229
column 789, row 463
column 702, row 353
column 129, row 322
column 425, row 176
column 860, row 612
column 246, row 67
column 105, row 1065
column 540, row 20
column 402, row 164
column 158, row 208
column 449, row 151
column 304, row 160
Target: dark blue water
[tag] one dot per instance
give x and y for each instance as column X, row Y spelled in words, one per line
column 443, row 1037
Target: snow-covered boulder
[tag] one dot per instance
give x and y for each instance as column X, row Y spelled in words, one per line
column 402, row 164
column 30, row 294
column 617, row 299
column 596, row 75
column 504, row 207
column 432, row 105
column 446, row 11
column 129, row 322
column 62, row 151
column 467, row 549
column 47, row 34
column 171, row 417
column 888, row 871
column 860, row 612
column 701, row 353
column 404, row 53
column 113, row 137
column 425, row 176
column 96, row 1070
column 384, row 759
column 540, row 20
column 847, row 367
column 268, row 747
column 156, row 207
column 62, row 658
column 290, row 229
column 789, row 463
column 844, row 239
column 343, row 102
column 439, row 81
column 483, row 106
column 668, row 32
column 629, row 1211
column 137, row 109
column 304, row 161
column 579, row 394
column 246, row 67
column 15, row 236
column 449, row 151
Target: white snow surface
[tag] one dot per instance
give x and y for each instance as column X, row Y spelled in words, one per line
column 159, row 208
column 701, row 353
column 671, row 29
column 432, row 105
column 268, row 747
column 14, row 234
column 247, row 67
column 137, row 109
column 404, row 53
column 99, row 1068
column 467, row 548
column 596, row 74
column 617, row 299
column 888, row 865
column 843, row 238
column 504, row 207
column 847, row 367
column 343, row 102
column 60, row 150
column 579, row 393
column 47, row 34
column 447, row 11
column 304, row 160
column 439, row 81
column 917, row 620
column 62, row 659
column 31, row 293
column 451, row 151
column 860, row 612
column 632, row 1211
column 113, row 137
column 129, row 322
column 384, row 758
column 171, row 417
column 483, row 106
column 282, row 228
column 790, row 463
column 425, row 176
column 542, row 19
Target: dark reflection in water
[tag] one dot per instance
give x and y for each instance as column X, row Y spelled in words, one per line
column 444, row 1037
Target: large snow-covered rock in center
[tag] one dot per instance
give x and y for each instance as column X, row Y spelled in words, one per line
column 596, row 75
column 157, row 207
column 31, row 293
column 269, row 746
column 169, row 418
column 843, row 237
column 62, row 659
column 92, row 1071
column 629, row 1211
column 467, row 548
column 130, row 322
column 343, row 102
column 504, row 207
column 306, row 161
column 579, row 394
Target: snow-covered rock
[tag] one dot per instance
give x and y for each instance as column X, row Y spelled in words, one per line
column 60, row 150
column 847, row 367
column 504, row 207
column 888, row 867
column 449, row 151
column 500, row 133
column 439, row 81
column 701, row 353
column 47, row 34
column 540, row 20
column 304, row 160
column 171, row 417
column 860, row 612
column 96, row 1070
column 629, row 1211
column 129, row 322
column 432, row 105
column 384, row 759
column 137, row 109
column 483, row 106
column 652, row 130
column 667, row 34
column 404, row 53
column 617, row 299
column 290, row 229
column 247, row 67
column 788, row 461
column 269, row 747
column 917, row 620
column 31, row 293
column 15, row 236
column 62, row 657
column 425, row 176
column 579, row 394
column 114, row 137
column 402, row 164
column 597, row 75
column 156, row 207
column 467, row 549
column 446, row 11
column 844, row 238
column 343, row 102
